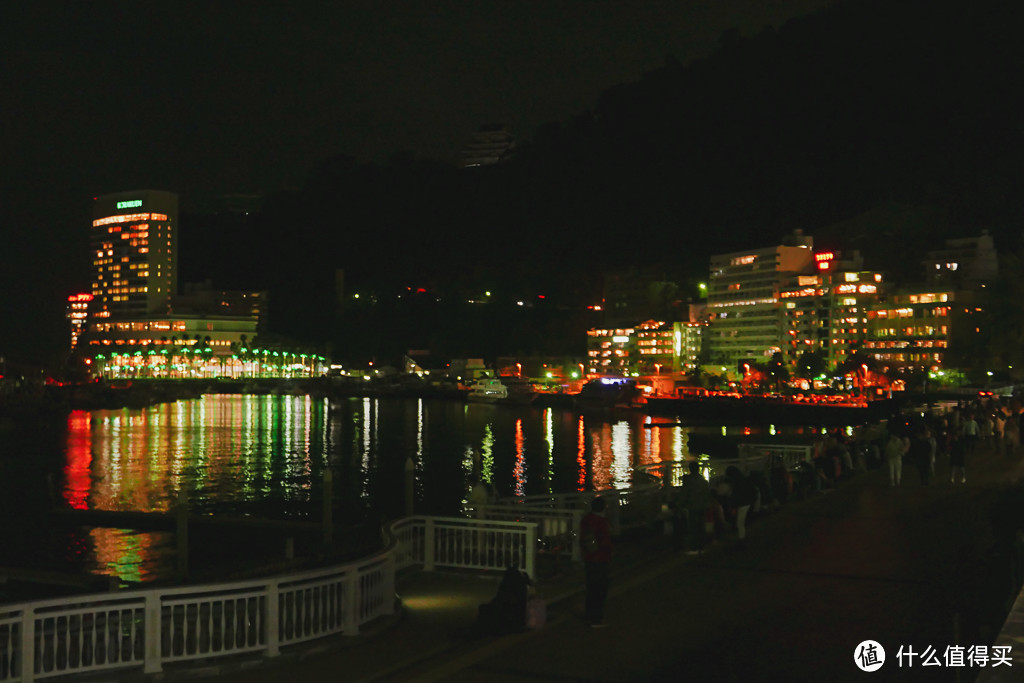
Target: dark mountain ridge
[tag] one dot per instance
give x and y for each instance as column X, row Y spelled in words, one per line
column 897, row 113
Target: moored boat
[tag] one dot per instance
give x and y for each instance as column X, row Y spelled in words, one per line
column 507, row 390
column 607, row 393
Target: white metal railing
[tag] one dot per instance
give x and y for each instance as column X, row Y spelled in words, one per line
column 148, row 629
column 756, row 456
column 557, row 528
column 635, row 506
column 467, row 543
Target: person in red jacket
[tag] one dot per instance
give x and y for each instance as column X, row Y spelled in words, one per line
column 596, row 542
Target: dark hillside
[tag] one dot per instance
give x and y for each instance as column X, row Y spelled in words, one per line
column 892, row 122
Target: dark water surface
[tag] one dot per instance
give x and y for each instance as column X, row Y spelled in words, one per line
column 265, row 456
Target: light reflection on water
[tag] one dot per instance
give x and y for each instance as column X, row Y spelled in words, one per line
column 265, row 456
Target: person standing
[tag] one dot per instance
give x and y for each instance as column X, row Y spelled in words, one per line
column 894, row 450
column 695, row 502
column 958, row 459
column 596, row 543
column 744, row 495
column 970, row 433
column 920, row 455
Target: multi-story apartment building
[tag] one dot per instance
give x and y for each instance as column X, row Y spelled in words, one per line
column 648, row 348
column 827, row 312
column 937, row 325
column 743, row 299
column 610, row 351
column 687, row 345
column 134, row 259
column 654, row 348
column 490, row 144
column 917, row 328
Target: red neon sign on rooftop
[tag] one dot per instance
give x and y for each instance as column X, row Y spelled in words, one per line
column 80, row 297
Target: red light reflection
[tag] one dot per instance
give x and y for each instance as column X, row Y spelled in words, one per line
column 581, row 456
column 519, row 471
column 77, row 477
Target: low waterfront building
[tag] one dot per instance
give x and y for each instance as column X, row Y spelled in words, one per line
column 189, row 347
column 220, row 333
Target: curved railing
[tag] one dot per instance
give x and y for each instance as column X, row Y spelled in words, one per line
column 148, row 629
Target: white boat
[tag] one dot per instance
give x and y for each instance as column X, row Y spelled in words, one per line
column 515, row 390
column 487, row 390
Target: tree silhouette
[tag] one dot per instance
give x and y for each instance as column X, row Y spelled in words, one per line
column 777, row 370
column 810, row 364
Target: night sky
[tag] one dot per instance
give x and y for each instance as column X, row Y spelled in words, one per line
column 212, row 98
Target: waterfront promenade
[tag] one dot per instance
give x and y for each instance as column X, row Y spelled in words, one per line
column 909, row 566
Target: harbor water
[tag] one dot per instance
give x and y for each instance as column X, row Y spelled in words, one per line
column 265, row 457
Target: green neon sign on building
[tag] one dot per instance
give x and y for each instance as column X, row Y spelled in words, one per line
column 130, row 204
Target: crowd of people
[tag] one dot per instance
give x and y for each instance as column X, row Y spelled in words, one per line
column 922, row 439
column 704, row 511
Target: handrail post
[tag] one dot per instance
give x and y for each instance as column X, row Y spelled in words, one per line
column 428, row 544
column 154, row 633
column 272, row 623
column 531, row 548
column 350, row 623
column 28, row 645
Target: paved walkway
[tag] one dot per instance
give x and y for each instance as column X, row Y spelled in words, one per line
column 908, row 566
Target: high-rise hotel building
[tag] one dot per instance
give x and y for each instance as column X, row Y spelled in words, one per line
column 134, row 254
column 743, row 299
